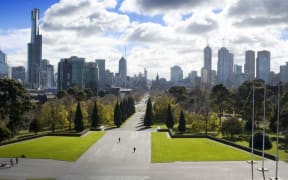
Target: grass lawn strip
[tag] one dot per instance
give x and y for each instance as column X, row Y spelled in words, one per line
column 193, row 149
column 42, row 179
column 52, row 147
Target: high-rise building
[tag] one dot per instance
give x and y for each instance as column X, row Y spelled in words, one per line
column 71, row 72
column 176, row 74
column 18, row 74
column 34, row 52
column 109, row 78
column 249, row 67
column 225, row 67
column 207, row 68
column 4, row 71
column 263, row 65
column 122, row 72
column 102, row 75
column 46, row 75
column 92, row 76
column 284, row 73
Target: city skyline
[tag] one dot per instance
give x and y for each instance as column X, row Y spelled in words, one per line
column 156, row 35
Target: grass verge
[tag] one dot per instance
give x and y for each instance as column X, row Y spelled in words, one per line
column 51, row 147
column 165, row 149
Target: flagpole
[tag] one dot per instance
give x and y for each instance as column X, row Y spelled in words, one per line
column 264, row 126
column 277, row 136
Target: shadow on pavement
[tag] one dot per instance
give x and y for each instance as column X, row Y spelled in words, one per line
column 143, row 128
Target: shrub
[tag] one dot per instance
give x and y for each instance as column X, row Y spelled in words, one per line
column 4, row 133
column 258, row 141
column 231, row 126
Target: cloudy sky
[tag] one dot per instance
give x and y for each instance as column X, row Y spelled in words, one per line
column 157, row 34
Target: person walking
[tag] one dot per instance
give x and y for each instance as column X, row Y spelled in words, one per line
column 119, row 140
column 16, row 160
column 134, row 149
column 11, row 161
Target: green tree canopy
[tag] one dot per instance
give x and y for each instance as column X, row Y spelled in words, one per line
column 148, row 118
column 117, row 115
column 169, row 118
column 231, row 126
column 95, row 116
column 182, row 123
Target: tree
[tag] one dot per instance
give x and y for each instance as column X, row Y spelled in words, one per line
column 169, row 118
column 220, row 99
column 148, row 118
column 78, row 121
column 35, row 126
column 61, row 94
column 14, row 102
column 53, row 114
column 89, row 93
column 117, row 115
column 4, row 133
column 258, row 141
column 95, row 117
column 231, row 127
column 182, row 123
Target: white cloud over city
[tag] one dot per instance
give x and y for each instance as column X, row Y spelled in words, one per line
column 102, row 29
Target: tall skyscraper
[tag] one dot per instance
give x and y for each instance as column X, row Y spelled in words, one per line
column 207, row 68
column 122, row 72
column 34, row 52
column 18, row 74
column 3, row 65
column 263, row 65
column 102, row 75
column 46, row 74
column 176, row 74
column 225, row 67
column 71, row 72
column 249, row 67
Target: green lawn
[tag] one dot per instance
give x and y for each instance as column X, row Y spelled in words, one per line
column 165, row 149
column 42, row 179
column 52, row 147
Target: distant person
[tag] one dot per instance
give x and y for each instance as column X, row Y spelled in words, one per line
column 134, row 149
column 119, row 140
column 16, row 160
column 11, row 161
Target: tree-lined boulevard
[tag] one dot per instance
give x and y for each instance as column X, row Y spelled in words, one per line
column 109, row 159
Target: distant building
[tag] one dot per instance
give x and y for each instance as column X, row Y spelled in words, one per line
column 4, row 69
column 34, row 52
column 18, row 74
column 176, row 74
column 71, row 72
column 263, row 65
column 225, row 67
column 249, row 67
column 92, row 77
column 46, row 75
column 102, row 74
column 109, row 78
column 207, row 68
column 284, row 73
column 122, row 72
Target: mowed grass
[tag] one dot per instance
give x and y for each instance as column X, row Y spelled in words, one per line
column 166, row 149
column 52, row 147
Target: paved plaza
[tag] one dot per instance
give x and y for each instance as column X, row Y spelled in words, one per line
column 110, row 160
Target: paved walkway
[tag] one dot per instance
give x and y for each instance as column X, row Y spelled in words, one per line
column 109, row 160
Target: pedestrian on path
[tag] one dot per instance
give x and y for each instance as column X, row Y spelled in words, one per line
column 119, row 140
column 11, row 161
column 16, row 160
column 134, row 149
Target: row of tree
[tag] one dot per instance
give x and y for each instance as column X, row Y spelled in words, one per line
column 123, row 110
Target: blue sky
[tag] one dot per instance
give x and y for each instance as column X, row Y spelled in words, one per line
column 154, row 32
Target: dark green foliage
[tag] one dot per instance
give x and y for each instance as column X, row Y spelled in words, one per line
column 231, row 126
column 131, row 105
column 61, row 94
column 122, row 109
column 248, row 126
column 78, row 122
column 95, row 116
column 88, row 92
column 148, row 118
column 117, row 115
column 35, row 126
column 258, row 141
column 182, row 123
column 169, row 118
column 73, row 90
column 14, row 102
column 80, row 95
column 220, row 99
column 101, row 93
column 4, row 133
column 178, row 92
